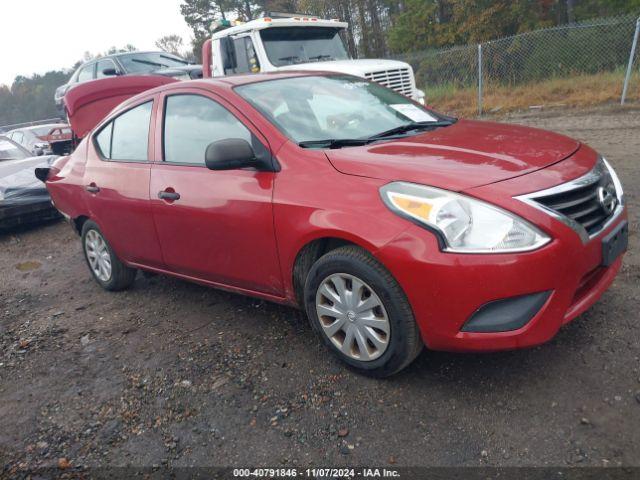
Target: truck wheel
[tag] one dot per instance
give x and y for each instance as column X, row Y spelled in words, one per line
column 103, row 263
column 361, row 313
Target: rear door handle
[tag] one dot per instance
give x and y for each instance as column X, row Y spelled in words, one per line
column 169, row 196
column 92, row 188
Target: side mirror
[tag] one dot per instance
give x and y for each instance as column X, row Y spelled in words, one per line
column 230, row 154
column 110, row 72
column 38, row 151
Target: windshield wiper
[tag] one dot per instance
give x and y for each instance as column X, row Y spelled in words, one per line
column 408, row 127
column 292, row 59
column 148, row 62
column 390, row 134
column 320, row 57
column 174, row 59
column 335, row 142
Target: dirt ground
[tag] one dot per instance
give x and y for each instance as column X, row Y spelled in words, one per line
column 172, row 373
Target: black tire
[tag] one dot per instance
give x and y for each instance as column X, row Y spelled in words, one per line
column 121, row 276
column 404, row 342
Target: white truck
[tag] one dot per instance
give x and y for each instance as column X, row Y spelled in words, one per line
column 298, row 43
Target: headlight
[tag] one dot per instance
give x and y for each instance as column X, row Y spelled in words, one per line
column 467, row 225
column 615, row 180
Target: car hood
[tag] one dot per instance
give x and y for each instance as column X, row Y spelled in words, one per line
column 464, row 155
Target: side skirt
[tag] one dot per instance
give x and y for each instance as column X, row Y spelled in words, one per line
column 220, row 286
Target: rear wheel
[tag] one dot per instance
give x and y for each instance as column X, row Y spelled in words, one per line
column 361, row 313
column 104, row 265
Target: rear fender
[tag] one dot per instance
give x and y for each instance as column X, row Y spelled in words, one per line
column 65, row 180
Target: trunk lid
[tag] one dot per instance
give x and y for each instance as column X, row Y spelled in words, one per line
column 88, row 103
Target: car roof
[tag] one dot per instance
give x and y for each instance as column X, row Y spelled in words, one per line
column 231, row 81
column 268, row 22
column 121, row 54
column 247, row 78
column 222, row 83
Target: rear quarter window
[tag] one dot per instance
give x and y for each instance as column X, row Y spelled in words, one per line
column 126, row 137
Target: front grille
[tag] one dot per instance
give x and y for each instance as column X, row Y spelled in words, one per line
column 398, row 79
column 588, row 202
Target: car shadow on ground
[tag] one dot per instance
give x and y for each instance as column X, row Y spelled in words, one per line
column 433, row 368
column 28, row 227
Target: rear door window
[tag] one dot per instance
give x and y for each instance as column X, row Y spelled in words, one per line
column 126, row 138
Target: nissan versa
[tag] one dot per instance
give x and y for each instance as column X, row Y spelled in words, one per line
column 393, row 226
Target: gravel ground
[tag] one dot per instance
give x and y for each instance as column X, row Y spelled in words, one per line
column 172, row 373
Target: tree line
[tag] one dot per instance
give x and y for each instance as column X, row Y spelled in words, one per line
column 382, row 27
column 31, row 98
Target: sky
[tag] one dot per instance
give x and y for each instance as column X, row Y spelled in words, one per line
column 37, row 36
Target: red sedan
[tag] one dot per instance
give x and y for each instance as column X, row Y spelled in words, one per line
column 393, row 226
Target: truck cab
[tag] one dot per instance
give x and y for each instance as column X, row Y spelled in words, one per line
column 298, row 43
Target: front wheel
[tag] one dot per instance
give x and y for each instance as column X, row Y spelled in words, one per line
column 361, row 313
column 105, row 266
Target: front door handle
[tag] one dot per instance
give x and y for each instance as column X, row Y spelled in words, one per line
column 169, row 196
column 92, row 188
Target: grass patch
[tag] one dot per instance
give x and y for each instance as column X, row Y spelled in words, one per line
column 575, row 91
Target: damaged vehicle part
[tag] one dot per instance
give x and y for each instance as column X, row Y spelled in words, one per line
column 23, row 198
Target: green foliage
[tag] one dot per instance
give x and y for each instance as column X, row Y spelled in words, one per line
column 559, row 52
column 586, row 9
column 30, row 99
column 424, row 24
column 378, row 27
column 201, row 14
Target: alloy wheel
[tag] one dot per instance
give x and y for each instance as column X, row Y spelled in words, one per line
column 353, row 317
column 98, row 255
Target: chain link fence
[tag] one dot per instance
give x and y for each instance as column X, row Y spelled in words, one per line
column 582, row 63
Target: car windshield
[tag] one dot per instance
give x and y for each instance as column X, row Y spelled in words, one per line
column 148, row 62
column 292, row 45
column 334, row 107
column 8, row 151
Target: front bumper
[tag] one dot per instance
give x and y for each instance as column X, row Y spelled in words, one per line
column 448, row 290
column 445, row 289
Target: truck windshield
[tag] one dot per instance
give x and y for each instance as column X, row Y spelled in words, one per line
column 148, row 62
column 292, row 45
column 325, row 109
